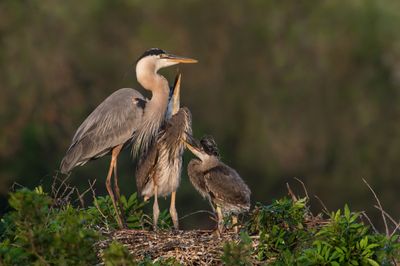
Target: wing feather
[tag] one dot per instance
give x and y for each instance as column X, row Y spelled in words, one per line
column 112, row 123
column 226, row 187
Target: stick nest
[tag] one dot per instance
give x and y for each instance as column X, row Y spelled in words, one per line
column 195, row 247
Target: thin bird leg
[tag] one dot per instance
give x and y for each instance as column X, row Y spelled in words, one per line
column 115, row 154
column 110, row 191
column 220, row 219
column 156, row 210
column 172, row 211
column 235, row 223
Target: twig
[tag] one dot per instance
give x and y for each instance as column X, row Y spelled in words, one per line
column 380, row 206
column 387, row 215
column 290, row 192
column 14, row 185
column 396, row 224
column 193, row 213
column 304, row 187
column 395, row 229
column 323, row 205
column 370, row 222
column 80, row 196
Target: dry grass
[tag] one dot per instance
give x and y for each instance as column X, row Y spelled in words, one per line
column 195, row 247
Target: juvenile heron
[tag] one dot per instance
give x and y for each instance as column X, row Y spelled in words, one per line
column 125, row 117
column 159, row 171
column 217, row 182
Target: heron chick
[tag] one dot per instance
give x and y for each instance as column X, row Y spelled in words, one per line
column 159, row 170
column 216, row 181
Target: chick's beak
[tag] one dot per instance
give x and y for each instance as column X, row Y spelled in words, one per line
column 191, row 143
column 178, row 59
column 176, row 94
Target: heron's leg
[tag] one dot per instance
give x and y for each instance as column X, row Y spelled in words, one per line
column 115, row 154
column 220, row 219
column 235, row 223
column 156, row 210
column 110, row 191
column 172, row 211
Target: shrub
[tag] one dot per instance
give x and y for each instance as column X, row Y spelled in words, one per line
column 344, row 240
column 35, row 233
column 281, row 229
column 288, row 235
column 239, row 253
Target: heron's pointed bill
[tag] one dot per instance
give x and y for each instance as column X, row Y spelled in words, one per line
column 178, row 59
column 193, row 145
column 176, row 94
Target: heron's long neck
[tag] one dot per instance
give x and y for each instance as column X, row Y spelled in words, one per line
column 157, row 106
column 154, row 112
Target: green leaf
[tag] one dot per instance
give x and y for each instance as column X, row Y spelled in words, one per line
column 347, row 212
column 372, row 262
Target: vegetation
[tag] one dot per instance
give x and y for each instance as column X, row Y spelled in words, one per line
column 37, row 231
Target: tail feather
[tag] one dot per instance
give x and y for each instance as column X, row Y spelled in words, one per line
column 71, row 159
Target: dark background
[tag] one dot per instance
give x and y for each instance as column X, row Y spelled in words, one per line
column 306, row 89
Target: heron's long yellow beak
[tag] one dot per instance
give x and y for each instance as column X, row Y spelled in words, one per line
column 179, row 59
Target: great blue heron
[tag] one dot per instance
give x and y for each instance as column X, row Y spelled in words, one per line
column 159, row 171
column 123, row 118
column 216, row 181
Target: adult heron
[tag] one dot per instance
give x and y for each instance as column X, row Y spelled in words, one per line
column 159, row 171
column 125, row 117
column 216, row 181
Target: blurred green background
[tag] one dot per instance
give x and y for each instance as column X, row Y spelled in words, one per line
column 307, row 89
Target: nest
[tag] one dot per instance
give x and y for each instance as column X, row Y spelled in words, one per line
column 195, row 247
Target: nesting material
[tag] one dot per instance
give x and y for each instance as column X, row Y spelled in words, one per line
column 195, row 247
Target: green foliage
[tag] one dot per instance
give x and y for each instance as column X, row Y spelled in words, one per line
column 280, row 227
column 344, row 240
column 117, row 255
column 238, row 253
column 104, row 213
column 35, row 233
column 285, row 239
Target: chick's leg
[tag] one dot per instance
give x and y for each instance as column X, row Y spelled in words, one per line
column 156, row 209
column 172, row 211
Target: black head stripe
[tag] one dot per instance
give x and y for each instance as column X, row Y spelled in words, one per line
column 152, row 51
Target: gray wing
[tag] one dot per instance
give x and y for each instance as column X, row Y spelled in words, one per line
column 112, row 123
column 226, row 187
column 145, row 167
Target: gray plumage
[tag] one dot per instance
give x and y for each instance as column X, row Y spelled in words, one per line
column 164, row 159
column 112, row 123
column 216, row 181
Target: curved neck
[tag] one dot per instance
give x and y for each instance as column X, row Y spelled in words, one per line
column 154, row 112
column 209, row 162
column 156, row 107
column 147, row 76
